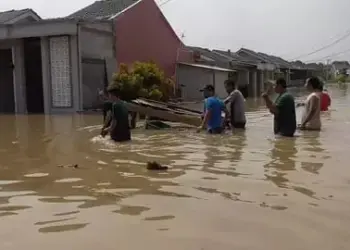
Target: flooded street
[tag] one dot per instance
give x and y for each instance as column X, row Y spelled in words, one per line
column 246, row 191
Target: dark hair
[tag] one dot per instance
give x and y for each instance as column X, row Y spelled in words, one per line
column 114, row 91
column 230, row 82
column 282, row 82
column 209, row 87
column 315, row 82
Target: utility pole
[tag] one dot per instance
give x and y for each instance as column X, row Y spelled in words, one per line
column 327, row 69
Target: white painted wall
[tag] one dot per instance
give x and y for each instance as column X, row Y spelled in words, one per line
column 220, row 78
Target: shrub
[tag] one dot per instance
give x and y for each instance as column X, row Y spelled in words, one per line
column 142, row 80
column 342, row 78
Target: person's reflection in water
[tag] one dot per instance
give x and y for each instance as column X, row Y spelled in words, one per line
column 239, row 145
column 36, row 148
column 313, row 146
column 221, row 161
column 283, row 156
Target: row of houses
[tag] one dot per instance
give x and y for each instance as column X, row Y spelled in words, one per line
column 60, row 64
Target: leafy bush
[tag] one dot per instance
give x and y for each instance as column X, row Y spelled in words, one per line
column 142, row 80
column 342, row 78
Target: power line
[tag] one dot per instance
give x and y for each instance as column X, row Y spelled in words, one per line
column 324, row 47
column 329, row 56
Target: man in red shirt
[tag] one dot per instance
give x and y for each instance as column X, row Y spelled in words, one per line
column 325, row 98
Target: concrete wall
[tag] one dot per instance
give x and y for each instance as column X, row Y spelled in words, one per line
column 95, row 43
column 145, row 35
column 97, row 48
column 19, row 77
column 220, row 78
column 60, row 54
column 191, row 80
column 16, row 46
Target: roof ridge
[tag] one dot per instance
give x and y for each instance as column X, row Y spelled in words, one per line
column 13, row 10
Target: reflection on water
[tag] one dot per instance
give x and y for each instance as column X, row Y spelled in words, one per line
column 249, row 190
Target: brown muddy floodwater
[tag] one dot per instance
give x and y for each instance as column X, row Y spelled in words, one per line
column 246, row 191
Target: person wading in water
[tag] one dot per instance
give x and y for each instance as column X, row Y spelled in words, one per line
column 325, row 98
column 283, row 109
column 237, row 105
column 213, row 106
column 119, row 128
column 311, row 119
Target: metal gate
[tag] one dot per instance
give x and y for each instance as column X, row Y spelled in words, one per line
column 94, row 79
column 7, row 97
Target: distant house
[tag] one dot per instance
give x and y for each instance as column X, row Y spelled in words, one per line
column 47, row 66
column 340, row 67
column 18, row 16
column 142, row 31
column 201, row 68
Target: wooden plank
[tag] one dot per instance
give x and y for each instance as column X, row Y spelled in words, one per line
column 173, row 106
column 163, row 106
column 194, row 120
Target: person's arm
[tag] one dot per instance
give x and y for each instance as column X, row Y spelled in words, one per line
column 329, row 100
column 113, row 123
column 207, row 114
column 230, row 98
column 225, row 122
column 270, row 105
column 311, row 112
column 206, row 118
column 107, row 121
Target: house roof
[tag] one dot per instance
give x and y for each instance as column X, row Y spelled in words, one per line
column 253, row 56
column 278, row 61
column 235, row 58
column 222, row 59
column 103, row 9
column 339, row 65
column 7, row 16
column 210, row 57
column 111, row 9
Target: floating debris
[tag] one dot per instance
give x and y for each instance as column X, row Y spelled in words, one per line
column 68, row 166
column 156, row 166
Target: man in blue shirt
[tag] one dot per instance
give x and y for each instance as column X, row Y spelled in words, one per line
column 213, row 107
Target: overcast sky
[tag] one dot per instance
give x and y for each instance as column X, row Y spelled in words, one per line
column 287, row 28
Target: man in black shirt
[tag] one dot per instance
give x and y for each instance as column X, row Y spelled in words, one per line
column 118, row 128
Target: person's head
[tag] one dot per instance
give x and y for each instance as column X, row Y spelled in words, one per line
column 102, row 95
column 230, row 85
column 280, row 85
column 320, row 87
column 208, row 91
column 313, row 84
column 113, row 93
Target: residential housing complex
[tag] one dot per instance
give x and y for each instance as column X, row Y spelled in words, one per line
column 59, row 65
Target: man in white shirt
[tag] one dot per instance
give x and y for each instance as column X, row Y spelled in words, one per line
column 311, row 119
column 237, row 105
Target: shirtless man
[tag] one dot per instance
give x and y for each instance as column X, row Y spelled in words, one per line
column 311, row 119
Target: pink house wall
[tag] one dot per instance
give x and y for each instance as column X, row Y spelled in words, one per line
column 143, row 34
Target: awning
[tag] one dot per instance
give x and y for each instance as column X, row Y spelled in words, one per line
column 203, row 66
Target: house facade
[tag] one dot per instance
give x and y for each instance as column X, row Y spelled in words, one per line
column 45, row 67
column 340, row 67
column 144, row 34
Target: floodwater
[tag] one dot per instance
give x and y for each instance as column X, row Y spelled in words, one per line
column 244, row 191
